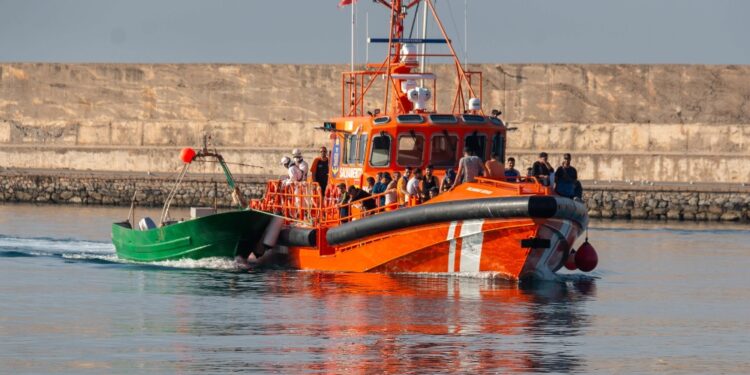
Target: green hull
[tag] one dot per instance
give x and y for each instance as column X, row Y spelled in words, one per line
column 221, row 235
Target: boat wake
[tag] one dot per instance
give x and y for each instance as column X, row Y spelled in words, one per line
column 97, row 252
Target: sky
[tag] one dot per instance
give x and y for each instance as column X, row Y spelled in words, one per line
column 318, row 31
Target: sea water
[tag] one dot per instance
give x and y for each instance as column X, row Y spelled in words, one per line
column 665, row 298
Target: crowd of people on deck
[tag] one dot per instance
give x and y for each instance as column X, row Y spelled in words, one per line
column 416, row 186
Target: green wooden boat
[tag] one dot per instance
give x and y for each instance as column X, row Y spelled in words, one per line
column 227, row 234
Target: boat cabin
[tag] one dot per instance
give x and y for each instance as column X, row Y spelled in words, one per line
column 365, row 146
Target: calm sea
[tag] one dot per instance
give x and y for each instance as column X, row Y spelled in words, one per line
column 667, row 299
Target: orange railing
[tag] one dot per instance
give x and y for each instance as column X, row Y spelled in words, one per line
column 303, row 202
column 523, row 185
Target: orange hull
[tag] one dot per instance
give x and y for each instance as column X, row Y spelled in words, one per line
column 464, row 247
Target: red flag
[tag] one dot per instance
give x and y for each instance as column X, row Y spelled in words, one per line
column 346, row 2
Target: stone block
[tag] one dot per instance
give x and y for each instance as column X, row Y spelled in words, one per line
column 630, row 137
column 90, row 134
column 4, row 131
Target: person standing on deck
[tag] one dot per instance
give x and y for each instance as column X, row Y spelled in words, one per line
column 391, row 196
column 566, row 179
column 294, row 174
column 429, row 181
column 511, row 173
column 542, row 169
column 301, row 164
column 447, row 184
column 413, row 190
column 401, row 186
column 469, row 167
column 319, row 170
column 494, row 168
column 381, row 186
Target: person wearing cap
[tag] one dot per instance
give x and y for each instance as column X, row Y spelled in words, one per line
column 566, row 177
column 542, row 169
column 301, row 164
column 294, row 174
column 319, row 170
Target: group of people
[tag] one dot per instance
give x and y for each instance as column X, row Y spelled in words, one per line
column 298, row 169
column 416, row 185
column 564, row 178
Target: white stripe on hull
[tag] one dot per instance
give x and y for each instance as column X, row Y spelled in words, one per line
column 472, row 239
column 452, row 246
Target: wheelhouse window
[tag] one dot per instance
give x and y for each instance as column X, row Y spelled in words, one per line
column 351, row 149
column 356, row 146
column 476, row 142
column 410, row 150
column 443, row 150
column 380, row 150
column 362, row 148
column 498, row 145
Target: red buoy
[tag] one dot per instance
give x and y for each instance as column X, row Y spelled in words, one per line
column 187, row 154
column 571, row 262
column 586, row 258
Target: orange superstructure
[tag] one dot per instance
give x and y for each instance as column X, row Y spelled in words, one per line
column 513, row 228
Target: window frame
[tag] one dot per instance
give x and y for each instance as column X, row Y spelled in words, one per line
column 398, row 148
column 483, row 156
column 455, row 153
column 372, row 149
column 492, row 149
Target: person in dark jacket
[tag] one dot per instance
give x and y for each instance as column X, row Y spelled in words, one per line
column 566, row 179
column 358, row 195
column 542, row 169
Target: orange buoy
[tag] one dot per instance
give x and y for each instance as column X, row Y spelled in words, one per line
column 187, row 154
column 586, row 257
column 571, row 262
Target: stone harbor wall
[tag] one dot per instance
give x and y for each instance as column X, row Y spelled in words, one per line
column 616, row 201
column 687, row 123
column 99, row 189
column 669, row 203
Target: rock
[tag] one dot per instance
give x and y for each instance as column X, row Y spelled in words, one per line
column 712, row 216
column 731, row 216
column 717, row 210
column 75, row 200
column 607, row 213
column 622, row 213
column 65, row 195
column 688, row 216
column 638, row 214
column 673, row 215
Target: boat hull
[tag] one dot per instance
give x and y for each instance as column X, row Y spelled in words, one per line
column 508, row 236
column 225, row 234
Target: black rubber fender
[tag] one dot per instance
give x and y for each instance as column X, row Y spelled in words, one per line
column 292, row 236
column 485, row 208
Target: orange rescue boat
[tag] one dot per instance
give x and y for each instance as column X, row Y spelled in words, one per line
column 517, row 228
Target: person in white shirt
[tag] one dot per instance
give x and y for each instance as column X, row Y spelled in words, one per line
column 294, row 174
column 413, row 189
column 300, row 163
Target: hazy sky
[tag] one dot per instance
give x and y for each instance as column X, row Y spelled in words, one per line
column 317, row 31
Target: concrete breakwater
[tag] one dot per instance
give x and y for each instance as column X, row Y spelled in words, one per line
column 687, row 123
column 616, row 201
